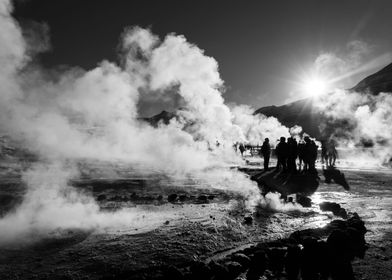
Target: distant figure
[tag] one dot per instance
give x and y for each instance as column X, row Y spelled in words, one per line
column 301, row 154
column 308, row 153
column 235, row 147
column 332, row 153
column 242, row 149
column 266, row 153
column 292, row 154
column 324, row 156
column 313, row 155
column 281, row 153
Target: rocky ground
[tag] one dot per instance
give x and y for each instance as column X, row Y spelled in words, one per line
column 211, row 232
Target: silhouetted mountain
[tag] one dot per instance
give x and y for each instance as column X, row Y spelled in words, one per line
column 303, row 113
column 300, row 112
column 380, row 81
column 163, row 116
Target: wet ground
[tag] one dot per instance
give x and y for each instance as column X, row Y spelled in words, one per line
column 201, row 223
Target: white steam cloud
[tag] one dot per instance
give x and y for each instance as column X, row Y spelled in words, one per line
column 68, row 115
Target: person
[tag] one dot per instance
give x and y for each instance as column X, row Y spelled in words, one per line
column 242, row 149
column 266, row 153
column 324, row 154
column 301, row 155
column 281, row 154
column 307, row 153
column 332, row 153
column 313, row 155
column 292, row 154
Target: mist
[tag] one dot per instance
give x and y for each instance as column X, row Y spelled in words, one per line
column 71, row 114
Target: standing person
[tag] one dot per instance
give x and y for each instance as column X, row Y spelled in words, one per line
column 281, row 153
column 292, row 154
column 266, row 152
column 301, row 155
column 307, row 153
column 242, row 149
column 332, row 153
column 324, row 154
column 313, row 155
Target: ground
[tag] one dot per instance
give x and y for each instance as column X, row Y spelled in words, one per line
column 208, row 224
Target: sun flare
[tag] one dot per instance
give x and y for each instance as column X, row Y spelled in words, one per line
column 315, row 86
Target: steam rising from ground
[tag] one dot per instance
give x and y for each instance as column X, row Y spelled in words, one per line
column 356, row 120
column 68, row 115
column 360, row 121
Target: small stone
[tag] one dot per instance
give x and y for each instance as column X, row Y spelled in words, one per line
column 248, row 220
column 172, row 197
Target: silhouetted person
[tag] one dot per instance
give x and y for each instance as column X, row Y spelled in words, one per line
column 266, row 152
column 281, row 153
column 307, row 153
column 313, row 155
column 332, row 153
column 292, row 154
column 301, row 155
column 242, row 149
column 324, row 156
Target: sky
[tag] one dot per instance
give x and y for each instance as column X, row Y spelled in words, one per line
column 265, row 49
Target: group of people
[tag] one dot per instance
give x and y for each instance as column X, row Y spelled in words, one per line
column 288, row 152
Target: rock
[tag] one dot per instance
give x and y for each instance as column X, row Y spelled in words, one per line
column 241, row 259
column 173, row 273
column 182, row 197
column 292, row 261
column 101, row 197
column 341, row 213
column 309, row 259
column 276, row 259
column 211, row 197
column 172, row 197
column 218, row 271
column 159, row 197
column 202, row 198
column 329, row 206
column 234, row 268
column 304, row 201
column 166, row 222
column 248, row 220
column 200, row 270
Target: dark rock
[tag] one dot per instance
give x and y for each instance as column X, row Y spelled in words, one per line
column 241, row 259
column 309, row 259
column 200, row 270
column 329, row 206
column 173, row 273
column 276, row 259
column 304, row 201
column 211, row 197
column 219, row 272
column 182, row 197
column 234, row 268
column 159, row 197
column 248, row 220
column 172, row 197
column 292, row 262
column 101, row 197
column 202, row 198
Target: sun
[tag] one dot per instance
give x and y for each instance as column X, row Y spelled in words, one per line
column 315, row 86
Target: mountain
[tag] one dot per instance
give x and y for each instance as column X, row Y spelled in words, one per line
column 163, row 117
column 303, row 113
column 380, row 81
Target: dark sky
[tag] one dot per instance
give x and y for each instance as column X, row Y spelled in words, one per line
column 260, row 46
